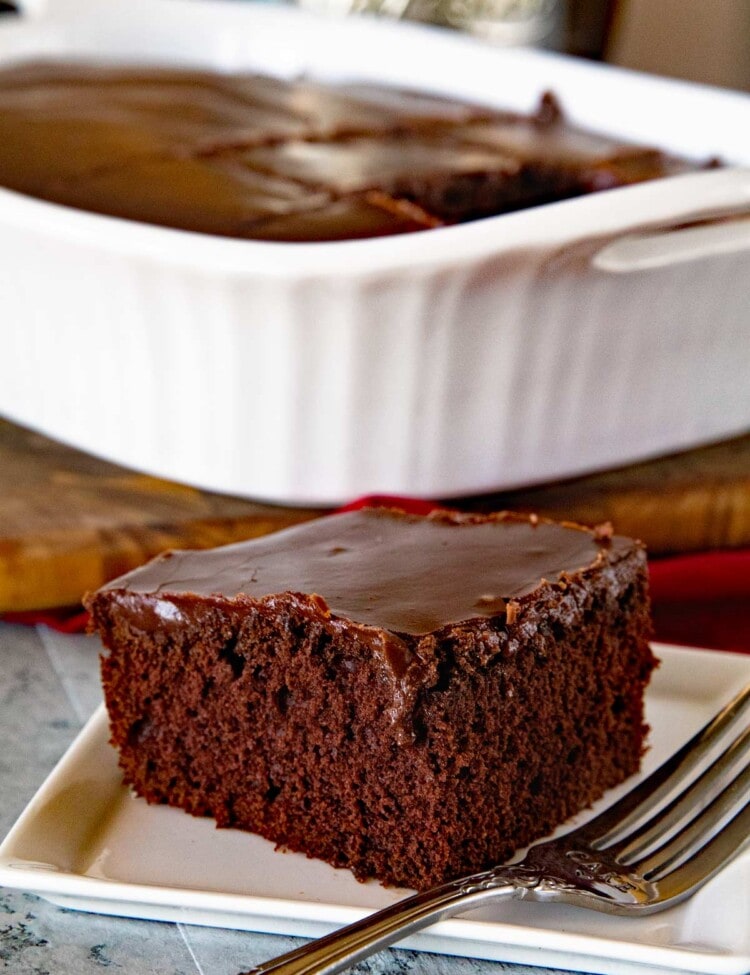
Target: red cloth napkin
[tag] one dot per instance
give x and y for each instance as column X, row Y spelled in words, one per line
column 700, row 600
column 65, row 620
column 703, row 599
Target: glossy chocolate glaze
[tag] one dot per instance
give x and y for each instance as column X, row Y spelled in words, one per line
column 398, row 573
column 263, row 158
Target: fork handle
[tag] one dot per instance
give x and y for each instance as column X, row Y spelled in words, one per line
column 344, row 947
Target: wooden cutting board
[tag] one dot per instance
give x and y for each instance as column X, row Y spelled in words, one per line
column 70, row 522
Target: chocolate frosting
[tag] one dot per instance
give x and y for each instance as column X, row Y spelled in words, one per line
column 256, row 157
column 378, row 568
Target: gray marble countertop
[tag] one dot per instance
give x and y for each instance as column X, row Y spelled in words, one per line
column 49, row 686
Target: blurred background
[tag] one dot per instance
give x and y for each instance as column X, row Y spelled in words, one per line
column 706, row 42
column 703, row 42
column 692, row 39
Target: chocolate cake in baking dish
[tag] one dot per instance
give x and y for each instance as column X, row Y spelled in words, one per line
column 257, row 157
column 412, row 698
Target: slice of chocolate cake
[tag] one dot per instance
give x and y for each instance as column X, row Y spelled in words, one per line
column 412, row 698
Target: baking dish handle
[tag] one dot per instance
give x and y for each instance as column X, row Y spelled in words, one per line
column 720, row 225
column 678, row 245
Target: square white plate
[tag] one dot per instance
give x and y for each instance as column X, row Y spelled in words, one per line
column 86, row 842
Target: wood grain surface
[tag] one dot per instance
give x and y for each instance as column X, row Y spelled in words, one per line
column 70, row 522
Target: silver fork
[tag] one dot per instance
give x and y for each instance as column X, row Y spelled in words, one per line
column 653, row 848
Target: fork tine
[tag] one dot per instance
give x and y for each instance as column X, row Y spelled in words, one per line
column 616, row 823
column 700, row 830
column 686, row 807
column 686, row 878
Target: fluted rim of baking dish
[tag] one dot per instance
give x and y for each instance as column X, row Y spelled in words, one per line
column 700, row 194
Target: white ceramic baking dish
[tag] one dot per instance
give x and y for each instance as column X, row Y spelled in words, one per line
column 518, row 349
